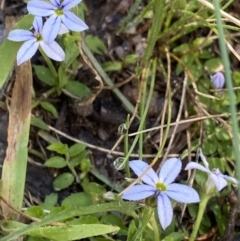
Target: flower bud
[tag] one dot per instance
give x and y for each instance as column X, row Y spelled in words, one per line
column 218, row 80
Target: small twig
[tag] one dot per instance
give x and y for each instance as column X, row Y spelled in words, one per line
column 194, row 119
column 118, row 85
column 99, row 148
column 224, row 14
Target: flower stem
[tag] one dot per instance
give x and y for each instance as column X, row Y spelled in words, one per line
column 202, row 206
column 156, row 230
column 49, row 63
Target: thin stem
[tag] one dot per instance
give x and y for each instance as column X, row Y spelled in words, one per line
column 128, row 20
column 202, row 206
column 154, row 31
column 143, row 117
column 156, row 230
column 147, row 214
column 67, row 157
column 142, row 109
column 50, row 64
column 49, row 92
column 127, row 170
column 226, row 63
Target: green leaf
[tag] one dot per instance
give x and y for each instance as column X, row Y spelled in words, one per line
column 203, row 42
column 58, row 147
column 201, row 178
column 9, row 49
column 117, row 221
column 130, row 59
column 77, row 160
column 176, row 236
column 76, row 149
column 36, row 239
column 236, row 78
column 213, row 65
column 49, row 107
column 209, row 147
column 72, row 232
column 44, row 74
column 35, row 211
column 193, row 210
column 35, row 121
column 206, row 54
column 9, row 226
column 196, row 70
column 225, row 149
column 221, row 220
column 95, row 45
column 132, row 229
column 56, row 162
column 182, row 48
column 85, row 165
column 50, row 201
column 94, row 188
column 123, row 207
column 77, row 200
column 63, row 181
column 112, row 66
column 77, row 89
column 63, row 78
column 187, row 59
column 89, row 219
column 222, row 134
column 217, row 162
column 71, row 50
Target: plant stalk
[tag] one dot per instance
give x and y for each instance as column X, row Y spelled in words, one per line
column 202, row 206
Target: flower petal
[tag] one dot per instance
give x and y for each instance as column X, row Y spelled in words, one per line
column 73, row 22
column 194, row 165
column 40, row 8
column 231, row 179
column 51, row 28
column 27, row 50
column 68, row 4
column 165, row 210
column 139, row 167
column 53, row 51
column 170, row 170
column 138, row 192
column 204, row 159
column 56, row 3
column 19, row 35
column 219, row 181
column 182, row 193
column 38, row 24
column 63, row 29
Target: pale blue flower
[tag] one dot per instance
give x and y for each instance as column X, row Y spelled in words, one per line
column 216, row 178
column 33, row 41
column 58, row 12
column 218, row 80
column 162, row 187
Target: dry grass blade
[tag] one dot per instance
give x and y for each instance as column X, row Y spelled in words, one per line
column 15, row 163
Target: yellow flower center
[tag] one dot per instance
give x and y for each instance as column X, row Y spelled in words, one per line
column 161, row 186
column 59, row 12
column 38, row 36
